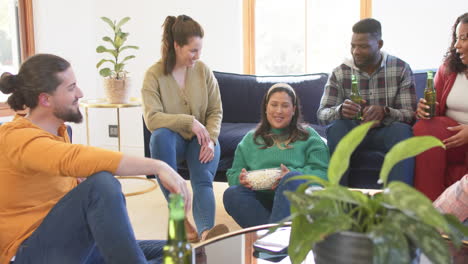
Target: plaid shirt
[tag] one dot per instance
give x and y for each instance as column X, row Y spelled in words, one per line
column 391, row 85
column 454, row 200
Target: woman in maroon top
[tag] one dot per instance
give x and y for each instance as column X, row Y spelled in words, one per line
column 438, row 168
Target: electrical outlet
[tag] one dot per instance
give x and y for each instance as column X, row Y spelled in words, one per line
column 113, row 131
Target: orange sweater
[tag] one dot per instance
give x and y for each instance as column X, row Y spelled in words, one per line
column 36, row 170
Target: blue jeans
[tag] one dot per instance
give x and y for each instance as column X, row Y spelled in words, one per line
column 251, row 208
column 377, row 139
column 170, row 147
column 89, row 225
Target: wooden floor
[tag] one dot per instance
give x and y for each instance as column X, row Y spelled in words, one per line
column 148, row 212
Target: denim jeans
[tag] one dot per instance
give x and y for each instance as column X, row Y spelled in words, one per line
column 251, row 208
column 170, row 147
column 377, row 139
column 90, row 224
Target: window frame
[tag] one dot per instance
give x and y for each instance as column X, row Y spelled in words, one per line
column 249, row 30
column 26, row 39
column 26, row 27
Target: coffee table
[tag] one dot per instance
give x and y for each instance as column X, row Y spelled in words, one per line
column 237, row 248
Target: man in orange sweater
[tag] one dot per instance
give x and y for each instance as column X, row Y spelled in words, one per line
column 46, row 215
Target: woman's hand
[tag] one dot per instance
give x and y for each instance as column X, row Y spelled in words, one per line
column 200, row 131
column 174, row 183
column 284, row 171
column 459, row 139
column 421, row 110
column 207, row 152
column 243, row 179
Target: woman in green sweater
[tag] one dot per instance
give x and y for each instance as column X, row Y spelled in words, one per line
column 182, row 108
column 279, row 141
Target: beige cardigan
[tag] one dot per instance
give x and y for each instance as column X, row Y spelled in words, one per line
column 166, row 105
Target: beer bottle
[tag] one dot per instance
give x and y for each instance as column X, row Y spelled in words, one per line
column 430, row 94
column 177, row 250
column 355, row 95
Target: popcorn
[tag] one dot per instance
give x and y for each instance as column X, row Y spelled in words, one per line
column 263, row 179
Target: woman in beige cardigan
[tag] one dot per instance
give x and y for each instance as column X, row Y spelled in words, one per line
column 182, row 108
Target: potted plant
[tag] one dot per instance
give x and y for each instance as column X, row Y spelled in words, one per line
column 387, row 227
column 115, row 77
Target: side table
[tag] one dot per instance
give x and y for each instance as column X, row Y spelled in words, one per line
column 102, row 103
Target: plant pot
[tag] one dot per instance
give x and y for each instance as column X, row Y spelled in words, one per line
column 350, row 248
column 344, row 247
column 116, row 91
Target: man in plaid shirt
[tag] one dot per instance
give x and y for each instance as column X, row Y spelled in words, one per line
column 387, row 88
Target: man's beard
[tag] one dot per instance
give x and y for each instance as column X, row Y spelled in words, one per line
column 69, row 116
column 363, row 63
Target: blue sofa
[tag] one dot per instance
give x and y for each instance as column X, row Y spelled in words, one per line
column 241, row 96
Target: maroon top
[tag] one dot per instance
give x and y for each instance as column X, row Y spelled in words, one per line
column 444, row 81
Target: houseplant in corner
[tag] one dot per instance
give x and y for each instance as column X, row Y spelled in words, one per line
column 115, row 77
column 388, row 227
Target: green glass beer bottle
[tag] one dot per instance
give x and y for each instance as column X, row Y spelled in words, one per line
column 177, row 250
column 430, row 94
column 355, row 95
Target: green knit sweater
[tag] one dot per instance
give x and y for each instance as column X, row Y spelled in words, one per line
column 309, row 157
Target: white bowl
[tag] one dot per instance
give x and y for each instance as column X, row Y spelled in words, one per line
column 263, row 179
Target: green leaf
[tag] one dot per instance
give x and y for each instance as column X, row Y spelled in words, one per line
column 339, row 161
column 108, row 39
column 311, row 207
column 128, row 58
column 343, row 194
column 375, row 204
column 304, row 234
column 390, row 244
column 118, row 41
column 414, row 204
column 302, row 202
column 298, row 247
column 106, row 72
column 457, row 230
column 406, row 149
column 102, row 61
column 421, row 235
column 109, row 22
column 118, row 67
column 123, row 21
column 101, row 49
column 128, row 47
column 112, row 52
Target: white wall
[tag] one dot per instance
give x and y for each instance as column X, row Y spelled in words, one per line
column 73, row 30
column 418, row 31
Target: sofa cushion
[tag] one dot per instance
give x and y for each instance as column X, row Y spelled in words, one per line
column 242, row 94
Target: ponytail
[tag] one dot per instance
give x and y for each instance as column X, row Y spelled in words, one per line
column 177, row 30
column 168, row 50
column 9, row 85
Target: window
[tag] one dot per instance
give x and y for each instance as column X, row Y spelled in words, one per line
column 280, row 38
column 9, row 39
column 299, row 36
column 16, row 35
